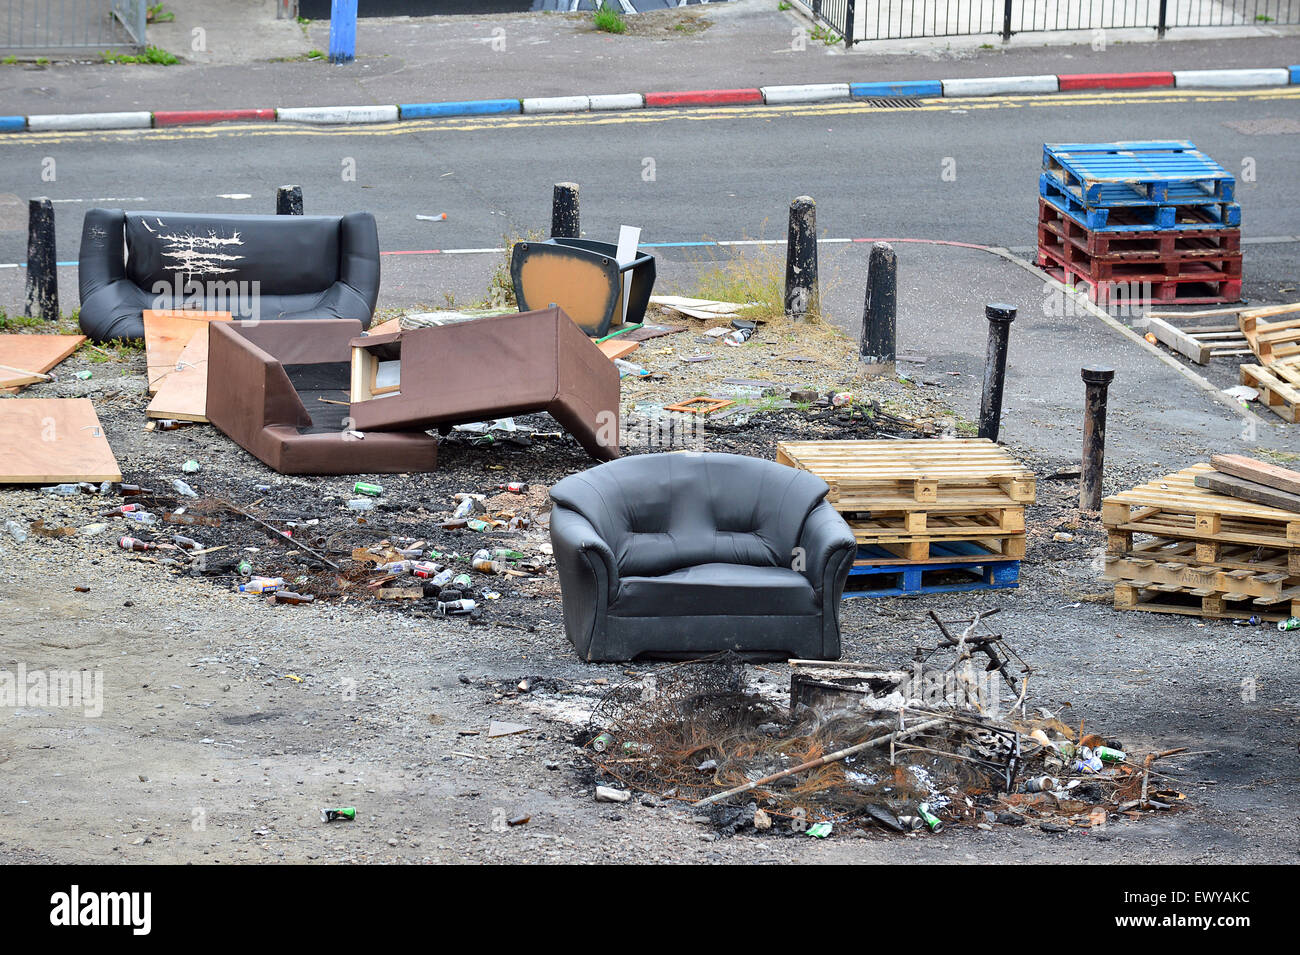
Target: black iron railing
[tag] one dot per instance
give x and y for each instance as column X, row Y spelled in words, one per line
column 859, row 20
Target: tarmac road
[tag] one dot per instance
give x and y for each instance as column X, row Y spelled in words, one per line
column 959, row 171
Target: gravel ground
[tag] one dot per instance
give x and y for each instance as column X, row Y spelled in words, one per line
column 228, row 722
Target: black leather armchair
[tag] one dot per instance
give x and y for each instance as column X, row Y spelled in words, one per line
column 690, row 553
column 255, row 267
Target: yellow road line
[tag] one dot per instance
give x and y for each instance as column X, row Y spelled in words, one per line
column 1098, row 98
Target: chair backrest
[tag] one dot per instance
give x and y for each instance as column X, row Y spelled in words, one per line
column 286, row 255
column 663, row 512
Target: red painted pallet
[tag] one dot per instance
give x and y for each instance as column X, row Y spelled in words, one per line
column 1180, row 267
column 1052, row 221
column 1146, row 290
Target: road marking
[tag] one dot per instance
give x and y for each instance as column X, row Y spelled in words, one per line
column 741, row 243
column 848, row 108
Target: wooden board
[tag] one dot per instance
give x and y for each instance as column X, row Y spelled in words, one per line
column 1261, row 560
column 1248, row 490
column 617, row 348
column 945, row 474
column 26, row 358
column 51, row 440
column 1260, row 472
column 166, row 333
column 1274, row 340
column 1198, row 342
column 183, row 392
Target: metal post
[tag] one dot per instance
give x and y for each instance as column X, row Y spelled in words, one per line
column 1006, row 21
column 849, row 11
column 1096, row 381
column 1162, row 25
column 288, row 201
column 1000, row 318
column 801, row 260
column 565, row 221
column 879, row 316
column 343, row 31
column 42, row 265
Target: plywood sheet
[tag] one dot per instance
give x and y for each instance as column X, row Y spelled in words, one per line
column 24, row 359
column 183, row 391
column 166, row 333
column 50, row 440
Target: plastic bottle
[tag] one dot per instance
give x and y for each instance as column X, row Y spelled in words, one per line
column 361, row 504
column 183, row 489
column 63, row 490
column 261, row 585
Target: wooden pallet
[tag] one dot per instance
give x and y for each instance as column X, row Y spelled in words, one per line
column 1213, row 606
column 985, row 531
column 1201, row 577
column 1174, row 507
column 955, row 576
column 1199, row 284
column 1274, row 340
column 1280, row 397
column 1263, row 560
column 939, row 551
column 1052, row 222
column 944, row 475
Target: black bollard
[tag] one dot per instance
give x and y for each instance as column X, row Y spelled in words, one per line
column 565, row 221
column 1096, row 381
column 288, row 201
column 801, row 260
column 995, row 368
column 879, row 316
column 42, row 265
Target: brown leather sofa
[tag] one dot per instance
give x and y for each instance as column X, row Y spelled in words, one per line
column 495, row 367
column 264, row 382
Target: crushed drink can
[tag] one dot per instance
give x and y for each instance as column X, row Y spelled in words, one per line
column 1290, row 623
column 1108, row 755
column 602, row 742
column 1042, row 784
column 456, row 607
column 343, row 814
column 462, row 581
column 370, row 490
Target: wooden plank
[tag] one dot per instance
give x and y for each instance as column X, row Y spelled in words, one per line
column 183, row 392
column 617, row 348
column 26, row 358
column 1248, row 490
column 1260, row 472
column 50, row 440
column 1278, row 396
column 166, row 333
column 1179, row 340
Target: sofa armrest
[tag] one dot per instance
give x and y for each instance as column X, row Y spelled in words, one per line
column 588, row 575
column 111, row 304
column 826, row 546
column 358, row 263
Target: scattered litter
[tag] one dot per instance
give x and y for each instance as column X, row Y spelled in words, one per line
column 344, row 814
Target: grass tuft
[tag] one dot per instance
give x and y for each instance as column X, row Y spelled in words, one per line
column 608, row 20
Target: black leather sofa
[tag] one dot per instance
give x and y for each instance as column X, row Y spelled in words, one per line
column 684, row 554
column 304, row 267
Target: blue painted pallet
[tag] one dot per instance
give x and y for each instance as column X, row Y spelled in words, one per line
column 1147, row 171
column 894, row 580
column 1201, row 214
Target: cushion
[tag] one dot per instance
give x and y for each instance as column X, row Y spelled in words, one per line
column 729, row 589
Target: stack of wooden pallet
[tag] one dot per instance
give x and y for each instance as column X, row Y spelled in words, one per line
column 1213, row 540
column 929, row 516
column 1139, row 222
